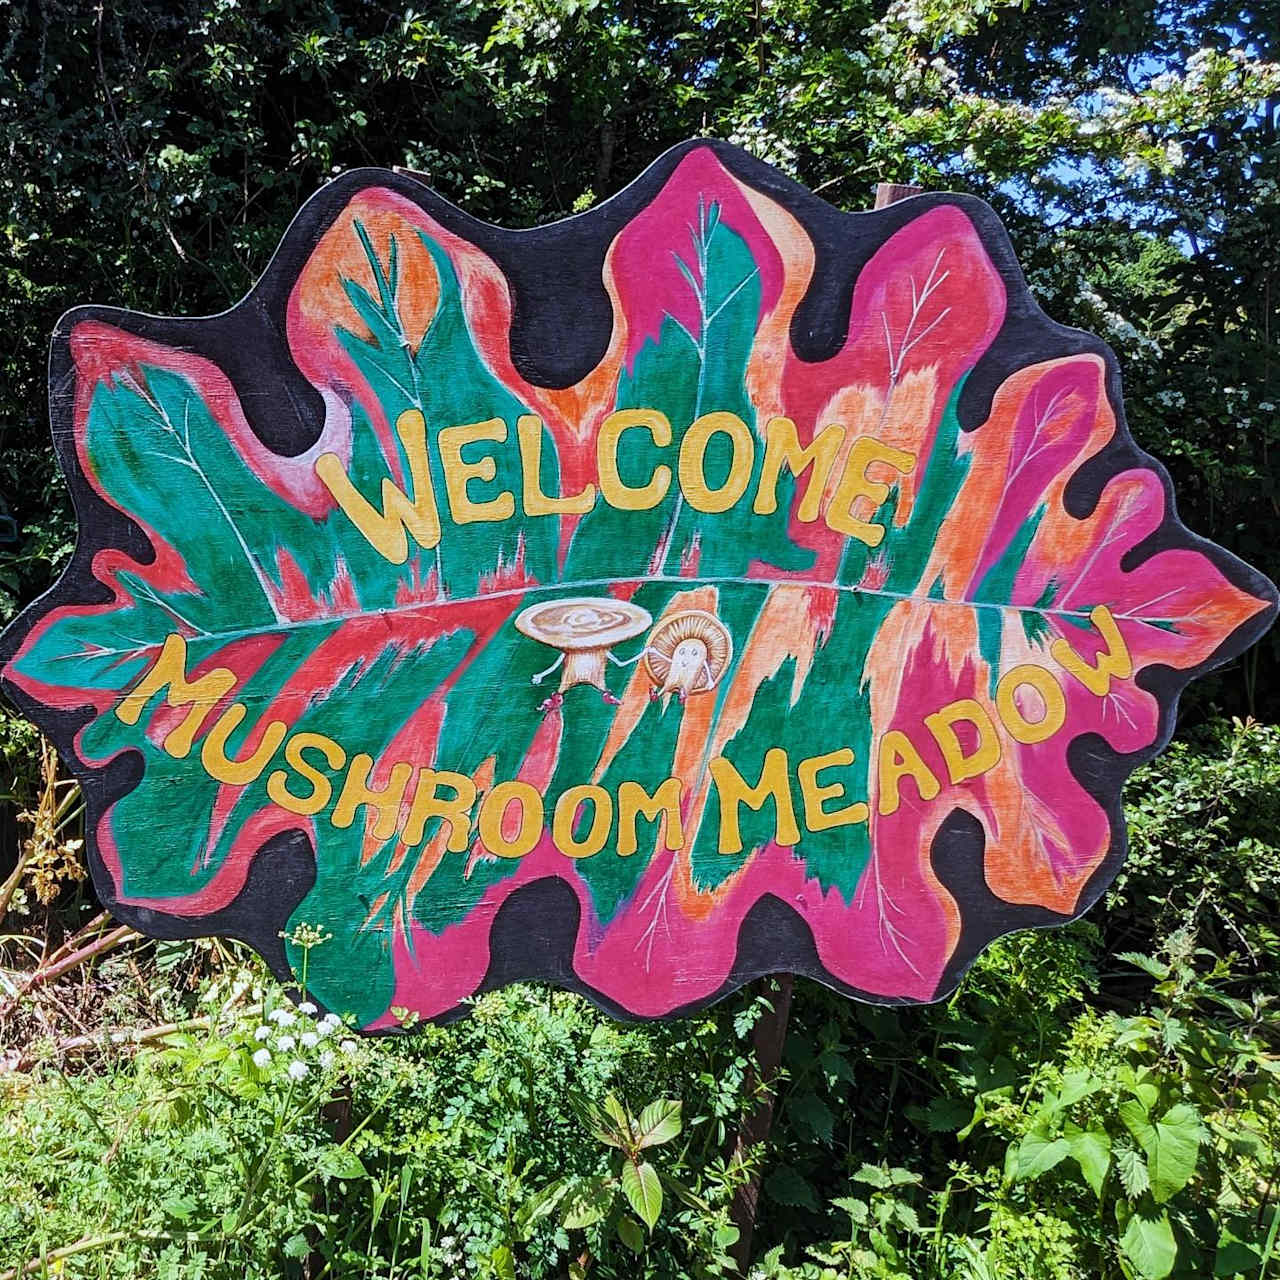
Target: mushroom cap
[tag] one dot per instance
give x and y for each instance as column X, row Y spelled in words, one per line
column 692, row 624
column 583, row 622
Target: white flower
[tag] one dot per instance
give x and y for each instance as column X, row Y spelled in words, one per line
column 262, row 1058
column 282, row 1017
column 348, row 1046
column 330, row 1022
column 326, row 1059
column 262, row 1033
column 309, row 1040
column 285, row 1043
column 307, row 1007
column 297, row 1069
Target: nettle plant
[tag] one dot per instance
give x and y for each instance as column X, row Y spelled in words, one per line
column 1166, row 1122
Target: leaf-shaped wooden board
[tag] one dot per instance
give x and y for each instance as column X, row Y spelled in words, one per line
column 711, row 584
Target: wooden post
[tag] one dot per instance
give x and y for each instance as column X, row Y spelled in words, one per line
column 411, row 173
column 770, row 1034
column 767, row 1040
column 888, row 193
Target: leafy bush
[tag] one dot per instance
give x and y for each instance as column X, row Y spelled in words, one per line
column 1070, row 1112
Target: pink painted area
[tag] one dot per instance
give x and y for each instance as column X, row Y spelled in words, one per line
column 657, row 955
column 929, row 297
column 643, row 258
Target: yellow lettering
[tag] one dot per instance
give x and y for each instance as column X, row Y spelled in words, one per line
column 238, row 773
column 782, row 448
column 734, row 791
column 815, row 794
column 321, row 787
column 169, row 672
column 387, row 530
column 537, row 503
column 634, row 800
column 898, row 759
column 493, row 810
column 855, row 483
column 1114, row 662
column 986, row 755
column 427, row 804
column 1042, row 680
column 384, row 801
column 693, row 455
column 567, row 811
column 459, row 474
column 628, row 497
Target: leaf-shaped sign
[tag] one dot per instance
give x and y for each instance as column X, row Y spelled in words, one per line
column 708, row 585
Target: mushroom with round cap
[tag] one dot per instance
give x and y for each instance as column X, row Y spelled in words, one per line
column 687, row 653
column 584, row 629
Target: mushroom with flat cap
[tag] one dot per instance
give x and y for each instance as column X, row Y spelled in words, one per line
column 584, row 629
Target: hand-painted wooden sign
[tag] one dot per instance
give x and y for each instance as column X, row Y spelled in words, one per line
column 709, row 585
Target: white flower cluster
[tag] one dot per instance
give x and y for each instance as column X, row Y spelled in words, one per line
column 294, row 1041
column 764, row 145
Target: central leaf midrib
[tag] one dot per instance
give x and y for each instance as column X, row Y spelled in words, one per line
column 217, row 638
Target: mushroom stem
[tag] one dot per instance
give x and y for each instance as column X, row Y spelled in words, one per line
column 585, row 666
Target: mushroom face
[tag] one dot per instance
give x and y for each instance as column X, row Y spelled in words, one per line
column 688, row 653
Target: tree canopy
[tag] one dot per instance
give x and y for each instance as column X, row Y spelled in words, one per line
column 155, row 154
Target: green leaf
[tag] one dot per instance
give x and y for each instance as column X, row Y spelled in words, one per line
column 1173, row 1163
column 631, row 1234
column 1091, row 1150
column 872, row 1175
column 1156, row 968
column 1171, row 1144
column 813, row 1116
column 1149, row 1244
column 1236, row 1252
column 621, row 1119
column 1038, row 1153
column 587, row 1201
column 504, row 1265
column 786, row 1186
column 643, row 1190
column 341, row 1163
column 541, row 1203
column 296, row 1246
column 1132, row 1169
column 659, row 1122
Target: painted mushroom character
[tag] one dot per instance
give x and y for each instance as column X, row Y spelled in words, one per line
column 687, row 653
column 584, row 629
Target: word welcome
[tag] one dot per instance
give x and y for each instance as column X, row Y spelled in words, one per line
column 417, row 513
column 1029, row 707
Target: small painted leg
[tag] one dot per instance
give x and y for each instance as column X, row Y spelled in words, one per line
column 553, row 703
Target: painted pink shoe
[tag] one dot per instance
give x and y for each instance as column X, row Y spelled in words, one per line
column 553, row 703
column 610, row 698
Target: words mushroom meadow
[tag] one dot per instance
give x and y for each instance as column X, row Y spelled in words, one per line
column 709, row 585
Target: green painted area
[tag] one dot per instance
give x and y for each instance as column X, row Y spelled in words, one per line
column 996, row 589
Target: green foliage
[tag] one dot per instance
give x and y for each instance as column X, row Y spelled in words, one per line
column 1068, row 1113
